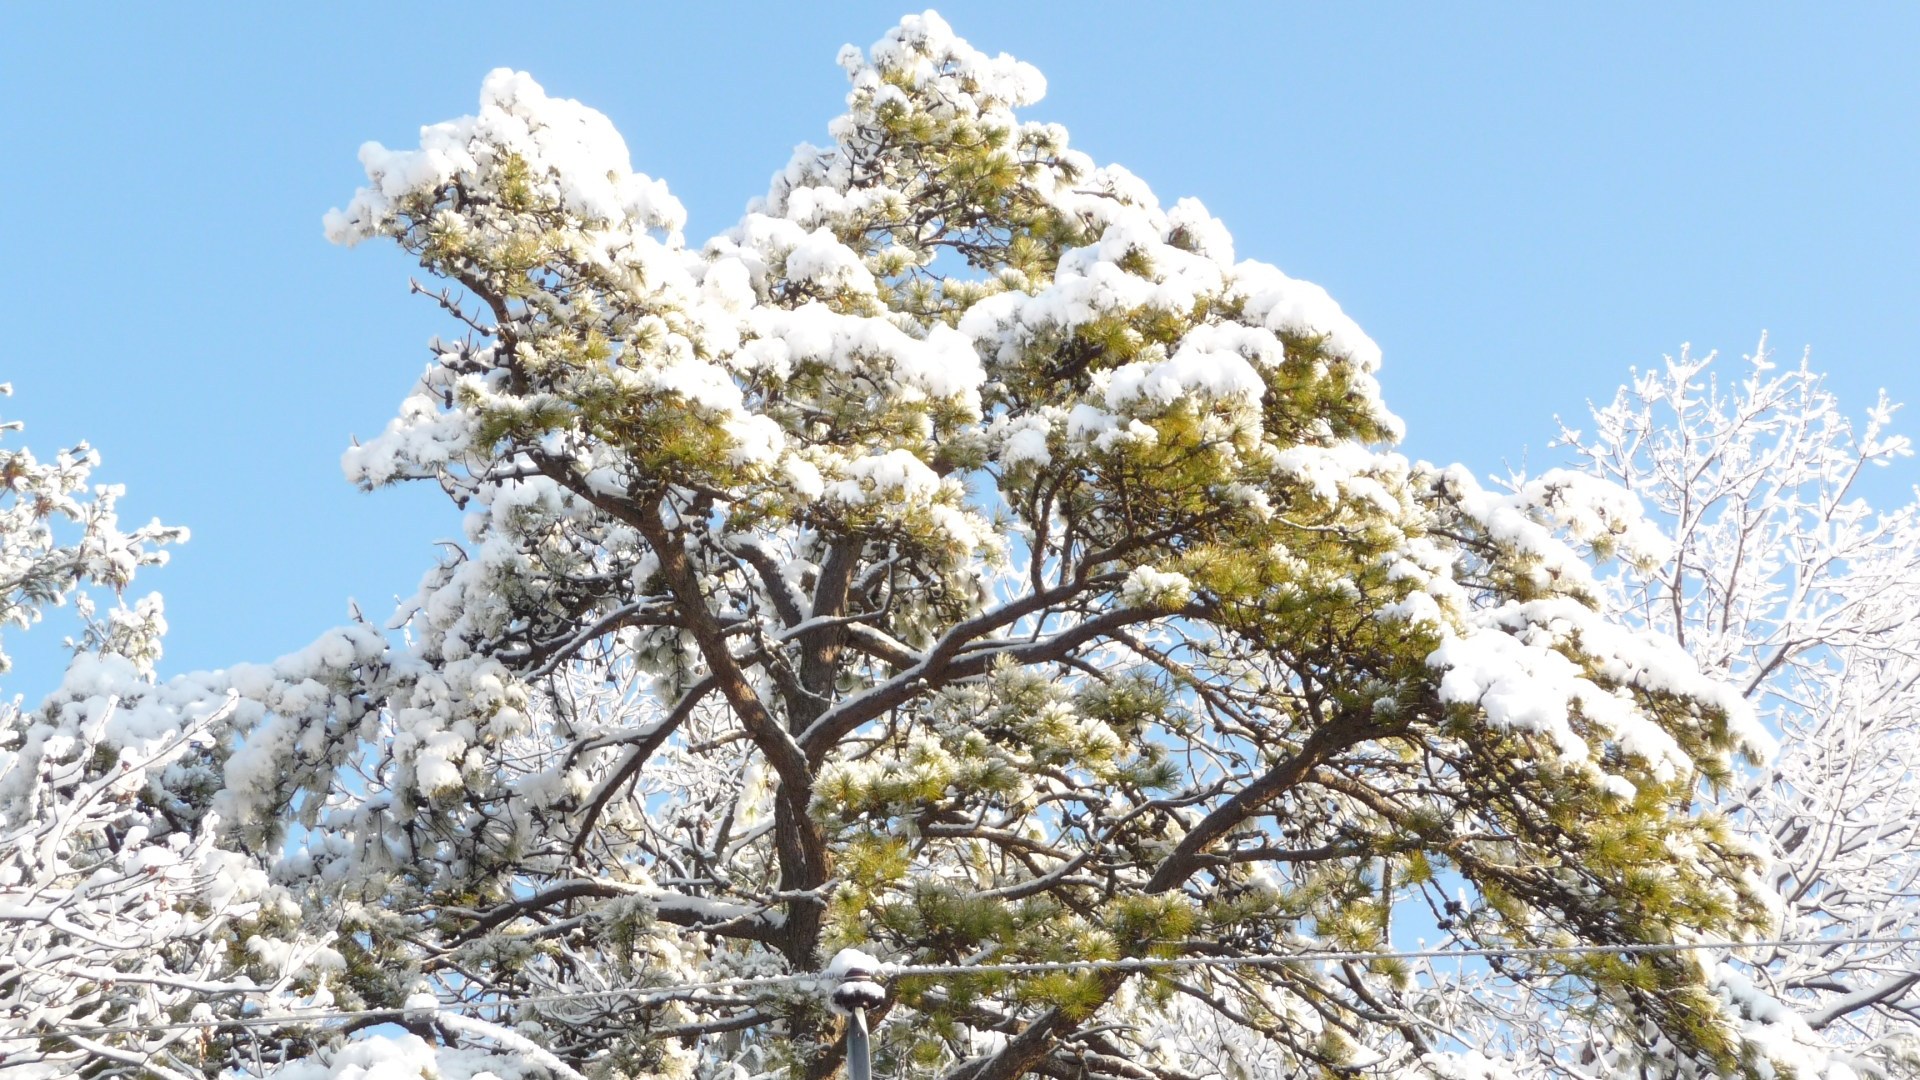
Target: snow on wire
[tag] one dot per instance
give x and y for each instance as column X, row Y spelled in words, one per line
column 824, row 982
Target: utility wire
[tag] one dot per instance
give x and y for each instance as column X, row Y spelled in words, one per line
column 820, row 982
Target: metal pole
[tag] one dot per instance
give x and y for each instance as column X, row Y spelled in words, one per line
column 859, row 1053
column 856, row 992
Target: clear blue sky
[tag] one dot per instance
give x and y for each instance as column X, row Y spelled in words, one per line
column 1517, row 202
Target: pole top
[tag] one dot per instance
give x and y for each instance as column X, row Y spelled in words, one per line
column 853, row 978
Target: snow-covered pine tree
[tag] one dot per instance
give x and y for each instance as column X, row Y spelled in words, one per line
column 967, row 558
column 964, row 557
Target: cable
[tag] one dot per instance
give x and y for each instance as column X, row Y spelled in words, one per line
column 815, row 980
column 665, row 992
column 1144, row 964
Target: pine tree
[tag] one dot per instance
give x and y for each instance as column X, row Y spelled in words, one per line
column 965, row 558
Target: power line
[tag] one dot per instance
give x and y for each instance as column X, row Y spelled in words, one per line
column 819, row 981
column 1148, row 964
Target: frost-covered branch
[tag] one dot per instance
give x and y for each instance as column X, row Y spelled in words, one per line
column 1785, row 580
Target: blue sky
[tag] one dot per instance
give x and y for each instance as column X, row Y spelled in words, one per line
column 1518, row 203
